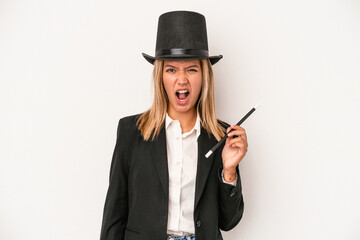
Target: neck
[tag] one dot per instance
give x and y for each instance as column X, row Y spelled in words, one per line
column 187, row 119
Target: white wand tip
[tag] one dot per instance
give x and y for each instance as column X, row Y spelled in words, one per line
column 257, row 106
column 208, row 154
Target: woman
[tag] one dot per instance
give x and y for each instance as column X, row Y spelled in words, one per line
column 161, row 184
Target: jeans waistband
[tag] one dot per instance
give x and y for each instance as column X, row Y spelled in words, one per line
column 187, row 237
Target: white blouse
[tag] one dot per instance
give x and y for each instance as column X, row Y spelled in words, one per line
column 182, row 154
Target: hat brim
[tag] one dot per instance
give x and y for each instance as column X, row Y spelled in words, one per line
column 212, row 59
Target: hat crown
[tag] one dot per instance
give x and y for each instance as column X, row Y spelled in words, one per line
column 181, row 30
column 181, row 35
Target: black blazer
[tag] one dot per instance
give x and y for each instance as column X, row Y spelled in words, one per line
column 136, row 205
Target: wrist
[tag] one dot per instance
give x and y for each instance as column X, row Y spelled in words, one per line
column 229, row 175
column 230, row 170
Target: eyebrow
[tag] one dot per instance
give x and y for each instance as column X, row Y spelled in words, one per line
column 168, row 65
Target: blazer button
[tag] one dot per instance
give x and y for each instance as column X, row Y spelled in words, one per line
column 198, row 223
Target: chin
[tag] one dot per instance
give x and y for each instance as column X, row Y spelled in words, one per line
column 183, row 109
column 186, row 108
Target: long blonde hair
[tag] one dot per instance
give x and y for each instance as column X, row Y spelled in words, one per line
column 151, row 121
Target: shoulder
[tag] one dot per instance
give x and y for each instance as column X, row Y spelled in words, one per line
column 128, row 125
column 130, row 120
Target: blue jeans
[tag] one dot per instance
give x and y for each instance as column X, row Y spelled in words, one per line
column 188, row 237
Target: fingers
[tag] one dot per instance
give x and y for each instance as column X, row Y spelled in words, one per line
column 236, row 131
column 237, row 137
column 238, row 142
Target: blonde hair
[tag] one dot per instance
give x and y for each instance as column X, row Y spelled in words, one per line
column 151, row 121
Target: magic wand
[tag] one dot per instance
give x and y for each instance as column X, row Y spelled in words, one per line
column 226, row 135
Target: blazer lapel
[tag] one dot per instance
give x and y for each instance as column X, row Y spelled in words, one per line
column 158, row 147
column 205, row 143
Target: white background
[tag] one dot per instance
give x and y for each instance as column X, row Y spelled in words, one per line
column 69, row 70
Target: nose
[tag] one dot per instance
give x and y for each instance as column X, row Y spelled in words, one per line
column 182, row 77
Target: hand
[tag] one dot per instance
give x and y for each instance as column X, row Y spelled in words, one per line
column 234, row 151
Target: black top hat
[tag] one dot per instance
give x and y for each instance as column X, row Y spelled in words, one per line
column 181, row 36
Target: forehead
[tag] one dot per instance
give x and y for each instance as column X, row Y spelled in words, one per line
column 182, row 63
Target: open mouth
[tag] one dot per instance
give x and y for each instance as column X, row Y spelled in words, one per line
column 182, row 95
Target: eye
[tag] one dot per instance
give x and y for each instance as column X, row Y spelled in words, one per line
column 192, row 70
column 170, row 70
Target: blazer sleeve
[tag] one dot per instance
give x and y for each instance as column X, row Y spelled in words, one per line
column 116, row 204
column 231, row 203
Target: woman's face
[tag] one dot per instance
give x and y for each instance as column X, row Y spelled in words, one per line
column 182, row 80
